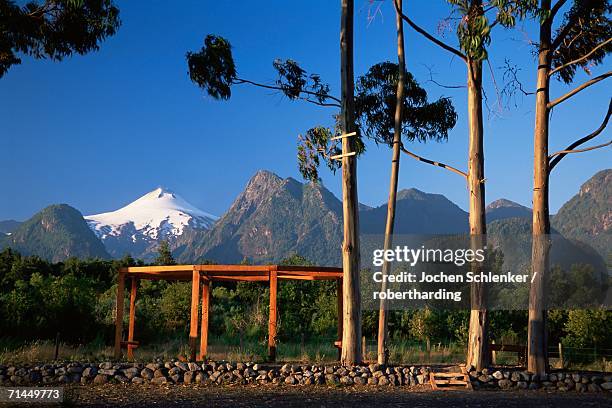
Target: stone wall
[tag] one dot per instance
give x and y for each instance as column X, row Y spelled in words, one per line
column 211, row 372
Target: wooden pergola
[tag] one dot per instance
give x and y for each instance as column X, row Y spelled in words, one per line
column 201, row 277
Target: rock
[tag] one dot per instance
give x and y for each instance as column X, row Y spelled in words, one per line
column 504, row 384
column 576, row 377
column 159, row 373
column 90, row 372
column 607, row 385
column 581, row 387
column 534, row 386
column 360, row 380
column 100, row 379
column 372, row 381
column 75, row 370
column 515, row 376
column 291, row 380
column 194, row 367
column 498, row 375
column 383, row 380
column 346, row 380
column 331, row 379
column 256, row 367
column 594, row 387
column 176, row 378
column 189, row 377
column 147, row 373
column 138, row 380
column 108, row 371
column 200, row 378
column 106, row 366
column 521, row 385
column 159, row 380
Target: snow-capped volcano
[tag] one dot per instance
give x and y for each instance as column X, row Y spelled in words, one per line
column 158, row 215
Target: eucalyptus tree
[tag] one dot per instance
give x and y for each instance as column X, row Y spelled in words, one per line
column 377, row 114
column 53, row 29
column 476, row 19
column 580, row 40
column 214, row 70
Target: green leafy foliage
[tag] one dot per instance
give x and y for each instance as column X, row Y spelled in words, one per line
column 53, row 29
column 586, row 25
column 212, row 68
column 375, row 102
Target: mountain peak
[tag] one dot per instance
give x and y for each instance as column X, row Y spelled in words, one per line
column 504, row 203
column 160, row 213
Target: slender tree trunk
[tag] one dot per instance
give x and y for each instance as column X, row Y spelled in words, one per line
column 477, row 355
column 351, row 333
column 537, row 361
column 395, row 163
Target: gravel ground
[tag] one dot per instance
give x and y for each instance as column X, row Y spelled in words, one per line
column 313, row 396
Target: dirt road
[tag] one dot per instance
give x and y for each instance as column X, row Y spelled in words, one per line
column 315, row 397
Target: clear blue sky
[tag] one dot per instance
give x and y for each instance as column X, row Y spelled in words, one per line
column 98, row 131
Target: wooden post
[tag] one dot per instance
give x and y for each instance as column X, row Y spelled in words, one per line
column 493, row 354
column 561, row 362
column 195, row 300
column 273, row 315
column 364, row 347
column 340, row 315
column 130, row 348
column 119, row 314
column 205, row 313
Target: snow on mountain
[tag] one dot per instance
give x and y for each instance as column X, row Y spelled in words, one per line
column 156, row 215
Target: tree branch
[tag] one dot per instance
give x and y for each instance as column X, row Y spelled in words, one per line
column 429, row 36
column 239, row 81
column 603, row 44
column 564, row 32
column 578, row 89
column 556, row 157
column 555, row 9
column 433, row 163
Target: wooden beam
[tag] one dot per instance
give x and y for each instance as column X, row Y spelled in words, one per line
column 119, row 314
column 195, row 300
column 273, row 315
column 234, row 278
column 205, row 312
column 130, row 349
column 150, row 269
column 340, row 315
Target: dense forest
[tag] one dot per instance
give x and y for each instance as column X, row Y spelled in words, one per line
column 76, row 298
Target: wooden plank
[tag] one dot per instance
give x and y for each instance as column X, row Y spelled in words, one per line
column 233, row 268
column 448, row 375
column 307, row 269
column 205, row 319
column 273, row 315
column 343, row 136
column 151, row 269
column 130, row 349
column 195, row 300
column 119, row 314
column 235, row 278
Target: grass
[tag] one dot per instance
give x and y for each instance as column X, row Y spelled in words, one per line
column 314, row 351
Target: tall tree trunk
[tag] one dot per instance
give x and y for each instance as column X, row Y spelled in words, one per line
column 537, row 361
column 383, row 353
column 351, row 333
column 477, row 355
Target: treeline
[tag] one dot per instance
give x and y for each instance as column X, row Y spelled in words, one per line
column 76, row 298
